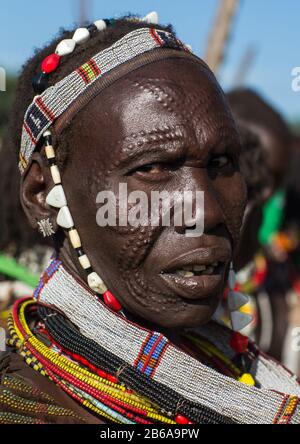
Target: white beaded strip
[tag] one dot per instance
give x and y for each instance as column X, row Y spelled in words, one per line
column 57, row 199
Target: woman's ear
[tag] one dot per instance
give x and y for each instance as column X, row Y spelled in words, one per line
column 34, row 187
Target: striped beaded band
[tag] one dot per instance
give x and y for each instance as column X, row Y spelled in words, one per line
column 51, row 104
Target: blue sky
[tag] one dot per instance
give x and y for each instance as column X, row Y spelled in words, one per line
column 269, row 26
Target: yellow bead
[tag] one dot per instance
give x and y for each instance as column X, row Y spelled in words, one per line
column 246, row 378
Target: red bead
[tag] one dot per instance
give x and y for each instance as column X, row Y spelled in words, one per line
column 93, row 368
column 77, row 357
column 111, row 301
column 239, row 343
column 112, row 378
column 102, row 374
column 180, row 419
column 84, row 362
column 50, row 63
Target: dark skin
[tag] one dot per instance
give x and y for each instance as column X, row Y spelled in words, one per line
column 171, row 129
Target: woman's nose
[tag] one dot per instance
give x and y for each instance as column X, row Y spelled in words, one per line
column 206, row 204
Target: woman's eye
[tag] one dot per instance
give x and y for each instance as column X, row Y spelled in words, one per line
column 151, row 168
column 220, row 161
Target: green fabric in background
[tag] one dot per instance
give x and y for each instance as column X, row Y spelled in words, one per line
column 10, row 268
column 273, row 212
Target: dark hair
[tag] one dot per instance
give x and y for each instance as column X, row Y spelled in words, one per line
column 247, row 105
column 13, row 227
column 253, row 165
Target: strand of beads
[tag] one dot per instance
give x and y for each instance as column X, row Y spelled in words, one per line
column 67, row 46
column 91, row 354
column 110, row 399
column 239, row 344
column 57, row 199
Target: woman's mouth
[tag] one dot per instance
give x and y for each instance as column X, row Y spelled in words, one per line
column 196, row 275
column 198, row 270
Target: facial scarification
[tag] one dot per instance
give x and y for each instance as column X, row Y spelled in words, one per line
column 178, row 123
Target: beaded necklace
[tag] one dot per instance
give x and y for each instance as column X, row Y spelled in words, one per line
column 92, row 387
column 85, row 365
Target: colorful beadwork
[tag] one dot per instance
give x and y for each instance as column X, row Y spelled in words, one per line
column 46, row 276
column 151, row 352
column 55, row 100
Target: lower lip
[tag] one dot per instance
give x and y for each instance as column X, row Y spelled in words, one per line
column 194, row 288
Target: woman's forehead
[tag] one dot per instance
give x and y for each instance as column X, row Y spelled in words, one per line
column 167, row 94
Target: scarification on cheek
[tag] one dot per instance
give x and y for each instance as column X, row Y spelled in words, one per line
column 145, row 295
column 136, row 248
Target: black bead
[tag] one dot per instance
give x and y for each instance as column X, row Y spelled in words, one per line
column 79, row 252
column 48, row 140
column 92, row 28
column 51, row 161
column 110, row 22
column 40, row 82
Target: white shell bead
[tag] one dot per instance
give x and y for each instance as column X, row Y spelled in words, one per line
column 239, row 320
column 55, row 174
column 74, row 238
column 236, row 300
column 49, row 150
column 96, row 283
column 231, row 279
column 64, row 218
column 56, row 197
column 65, row 47
column 47, row 132
column 100, row 24
column 152, row 18
column 84, row 261
column 81, row 35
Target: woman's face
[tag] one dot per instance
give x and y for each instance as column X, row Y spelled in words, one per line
column 167, row 127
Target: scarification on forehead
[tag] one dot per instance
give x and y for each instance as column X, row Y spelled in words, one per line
column 193, row 110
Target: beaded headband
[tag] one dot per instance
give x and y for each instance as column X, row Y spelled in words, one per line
column 55, row 100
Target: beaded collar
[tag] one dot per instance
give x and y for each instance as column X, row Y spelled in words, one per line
column 153, row 355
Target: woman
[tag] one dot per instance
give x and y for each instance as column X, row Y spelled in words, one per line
column 268, row 276
column 119, row 328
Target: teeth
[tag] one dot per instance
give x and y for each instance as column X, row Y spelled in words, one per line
column 189, row 271
column 184, row 273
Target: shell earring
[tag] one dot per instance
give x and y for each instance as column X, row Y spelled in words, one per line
column 235, row 301
column 45, row 227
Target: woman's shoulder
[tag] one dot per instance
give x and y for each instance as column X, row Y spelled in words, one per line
column 26, row 397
